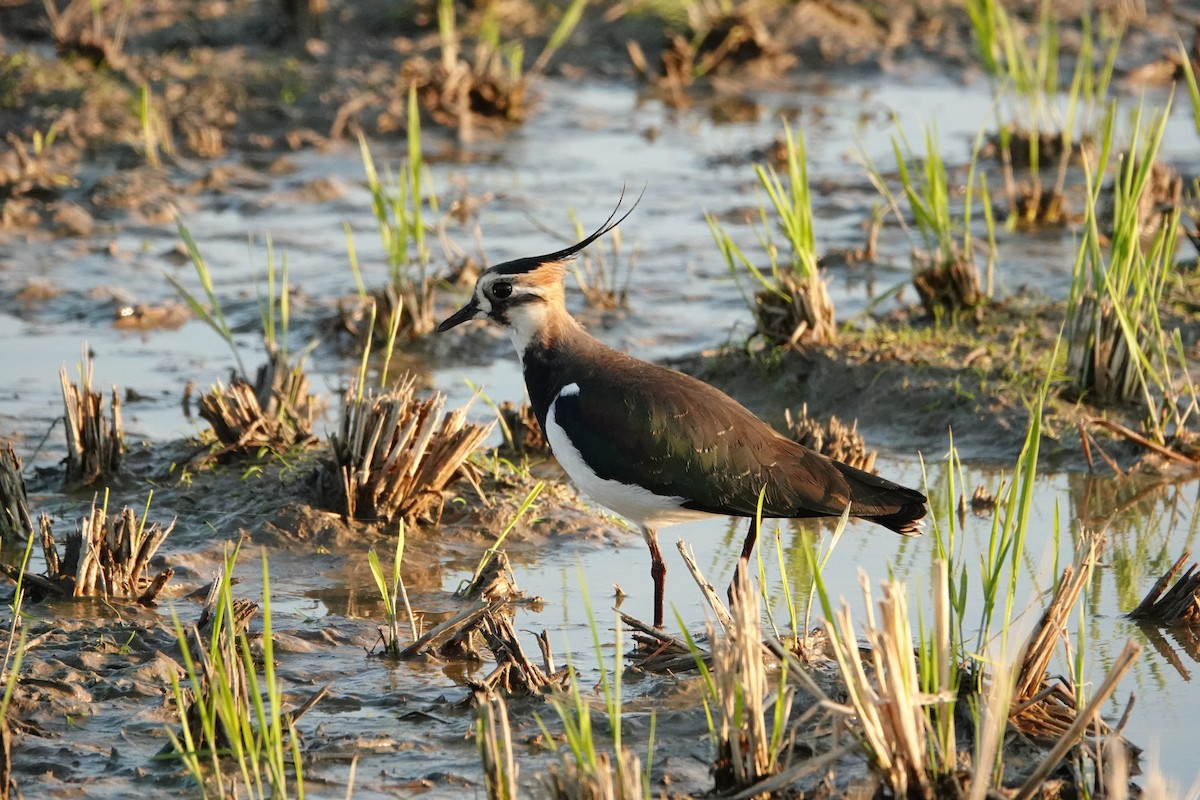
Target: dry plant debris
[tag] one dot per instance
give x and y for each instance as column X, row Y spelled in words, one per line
column 515, row 673
column 717, row 40
column 523, row 435
column 81, row 28
column 1045, row 708
column 1179, row 605
column 16, row 523
column 274, row 413
column 7, row 784
column 390, row 457
column 659, row 652
column 982, row 501
column 95, row 444
column 746, row 750
column 798, row 310
column 493, row 582
column 106, row 557
column 837, row 440
column 493, row 736
column 946, row 284
column 889, row 710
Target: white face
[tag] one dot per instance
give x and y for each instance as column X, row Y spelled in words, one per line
column 503, row 299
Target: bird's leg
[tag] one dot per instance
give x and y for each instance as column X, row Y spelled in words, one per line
column 658, row 571
column 743, row 560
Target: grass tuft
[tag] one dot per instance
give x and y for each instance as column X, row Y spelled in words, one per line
column 485, row 85
column 584, row 771
column 748, row 749
column 944, row 271
column 791, row 302
column 236, row 738
column 1118, row 349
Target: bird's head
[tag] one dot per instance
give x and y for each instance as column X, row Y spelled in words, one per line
column 522, row 295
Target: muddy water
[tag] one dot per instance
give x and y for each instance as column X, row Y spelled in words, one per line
column 404, row 722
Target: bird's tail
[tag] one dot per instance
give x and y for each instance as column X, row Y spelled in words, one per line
column 877, row 499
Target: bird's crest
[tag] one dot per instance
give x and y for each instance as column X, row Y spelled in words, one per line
column 526, row 265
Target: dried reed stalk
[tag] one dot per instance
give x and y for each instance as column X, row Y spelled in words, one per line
column 950, row 285
column 515, row 674
column 15, row 520
column 494, row 739
column 274, row 413
column 724, row 618
column 1179, row 604
column 799, row 312
column 837, row 440
column 452, row 628
column 891, row 720
column 1051, row 628
column 522, row 434
column 95, row 445
column 392, row 459
column 1086, row 717
column 1045, row 709
column 746, row 752
column 104, row 558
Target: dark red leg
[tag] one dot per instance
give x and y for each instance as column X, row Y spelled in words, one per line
column 658, row 571
column 744, row 559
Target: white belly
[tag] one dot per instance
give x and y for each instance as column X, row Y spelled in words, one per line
column 630, row 501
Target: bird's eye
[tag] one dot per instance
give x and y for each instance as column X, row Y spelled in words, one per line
column 501, row 290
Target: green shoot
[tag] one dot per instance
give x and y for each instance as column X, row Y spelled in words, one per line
column 1118, row 349
column 491, row 551
column 793, row 204
column 209, row 314
column 1189, row 75
column 236, row 716
column 792, row 303
column 149, row 126
column 392, row 591
column 590, row 772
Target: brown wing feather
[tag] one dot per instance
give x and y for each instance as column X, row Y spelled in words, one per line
column 692, row 441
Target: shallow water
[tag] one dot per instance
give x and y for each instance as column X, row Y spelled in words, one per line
column 587, row 142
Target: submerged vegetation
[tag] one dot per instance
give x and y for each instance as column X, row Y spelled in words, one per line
column 989, row 667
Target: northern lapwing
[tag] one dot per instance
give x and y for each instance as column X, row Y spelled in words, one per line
column 654, row 445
